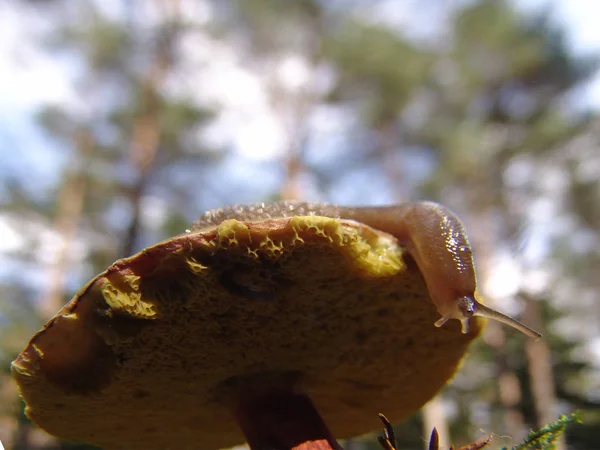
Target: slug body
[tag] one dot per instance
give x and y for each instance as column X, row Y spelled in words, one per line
column 432, row 234
column 437, row 241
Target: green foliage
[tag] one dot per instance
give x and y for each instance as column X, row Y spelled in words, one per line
column 546, row 437
column 18, row 321
column 105, row 42
column 377, row 63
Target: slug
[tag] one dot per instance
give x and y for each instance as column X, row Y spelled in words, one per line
column 434, row 237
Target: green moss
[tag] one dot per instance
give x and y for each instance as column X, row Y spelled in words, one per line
column 546, row 437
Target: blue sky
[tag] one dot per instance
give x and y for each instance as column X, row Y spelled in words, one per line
column 29, row 78
column 580, row 19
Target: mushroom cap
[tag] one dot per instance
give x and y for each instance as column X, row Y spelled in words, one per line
column 154, row 352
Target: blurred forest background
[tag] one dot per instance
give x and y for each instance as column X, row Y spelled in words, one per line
column 173, row 107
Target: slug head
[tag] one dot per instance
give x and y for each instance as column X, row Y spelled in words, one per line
column 467, row 307
column 464, row 309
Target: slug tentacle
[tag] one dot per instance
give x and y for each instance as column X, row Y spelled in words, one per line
column 489, row 313
column 463, row 322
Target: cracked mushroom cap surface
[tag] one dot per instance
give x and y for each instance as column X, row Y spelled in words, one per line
column 152, row 352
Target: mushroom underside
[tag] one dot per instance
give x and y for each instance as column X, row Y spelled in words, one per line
column 161, row 349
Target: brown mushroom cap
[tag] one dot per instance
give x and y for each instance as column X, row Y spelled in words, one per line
column 153, row 352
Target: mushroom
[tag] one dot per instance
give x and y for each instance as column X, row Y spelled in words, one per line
column 280, row 325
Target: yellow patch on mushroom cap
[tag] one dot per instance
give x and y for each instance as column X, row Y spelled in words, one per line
column 149, row 354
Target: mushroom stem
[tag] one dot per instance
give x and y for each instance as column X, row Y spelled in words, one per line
column 283, row 421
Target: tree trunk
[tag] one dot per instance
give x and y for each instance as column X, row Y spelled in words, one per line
column 145, row 134
column 540, row 370
column 69, row 209
column 509, row 387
